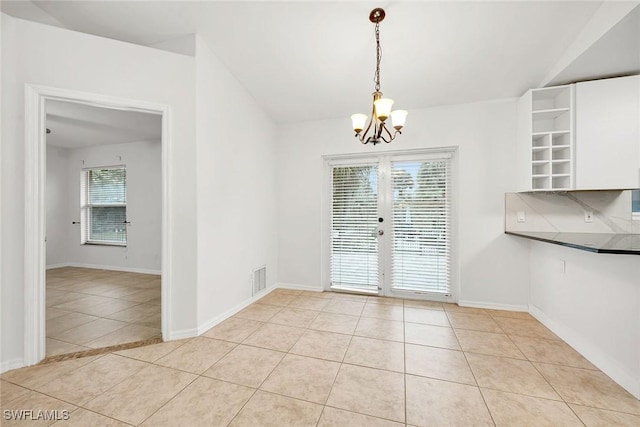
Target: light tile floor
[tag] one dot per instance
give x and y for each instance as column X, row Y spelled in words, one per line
column 306, row 359
column 90, row 308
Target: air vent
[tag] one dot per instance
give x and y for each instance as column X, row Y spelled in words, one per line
column 259, row 280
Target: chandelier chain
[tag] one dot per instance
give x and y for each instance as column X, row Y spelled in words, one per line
column 376, row 77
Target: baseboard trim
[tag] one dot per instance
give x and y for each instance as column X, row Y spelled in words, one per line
column 181, row 334
column 593, row 354
column 298, row 287
column 106, row 267
column 11, row 364
column 492, row 306
column 204, row 327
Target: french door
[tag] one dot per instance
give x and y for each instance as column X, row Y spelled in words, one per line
column 391, row 225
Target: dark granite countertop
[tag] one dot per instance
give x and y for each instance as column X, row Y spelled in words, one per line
column 603, row 243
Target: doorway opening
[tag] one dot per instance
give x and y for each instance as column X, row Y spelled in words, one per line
column 97, row 235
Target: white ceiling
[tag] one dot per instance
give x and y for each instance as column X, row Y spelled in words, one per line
column 311, row 60
column 76, row 125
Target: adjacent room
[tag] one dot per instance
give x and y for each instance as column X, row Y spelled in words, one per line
column 285, row 213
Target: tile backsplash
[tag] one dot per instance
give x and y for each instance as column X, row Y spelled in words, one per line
column 567, row 211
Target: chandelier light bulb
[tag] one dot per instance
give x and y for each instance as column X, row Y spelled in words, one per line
column 383, row 108
column 358, row 121
column 398, row 117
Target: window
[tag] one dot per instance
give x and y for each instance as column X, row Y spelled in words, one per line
column 635, row 204
column 104, row 206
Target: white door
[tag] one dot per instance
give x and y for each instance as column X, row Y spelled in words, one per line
column 391, row 226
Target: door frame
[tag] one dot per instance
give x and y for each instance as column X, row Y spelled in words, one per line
column 347, row 159
column 35, row 205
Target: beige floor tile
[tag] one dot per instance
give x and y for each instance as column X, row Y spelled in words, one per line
column 83, row 418
column 55, row 347
column 551, row 351
column 525, row 328
column 270, row 410
column 10, row 392
column 385, row 300
column 487, row 343
column 52, row 313
column 474, row 322
column 117, row 291
column 435, row 336
column 107, row 308
column 431, row 402
column 128, row 400
column 344, row 306
column 514, row 375
column 375, row 353
column 430, row 305
column 134, row 314
column 425, row 316
column 35, row 402
column 322, row 344
column 151, row 353
column 315, row 294
column 55, row 297
column 349, row 297
column 286, row 291
column 589, row 388
column 369, row 391
column 153, row 321
column 86, row 301
column 245, row 365
column 383, row 311
column 303, row 378
column 258, row 312
column 515, row 410
column 92, row 379
column 294, row 317
column 333, row 417
column 338, row 323
column 197, row 355
column 593, row 417
column 308, row 303
column 458, row 309
column 512, row 314
column 233, row 329
column 382, row 329
column 277, row 299
column 205, row 402
column 143, row 295
column 34, row 376
column 439, row 363
column 66, row 322
column 83, row 334
column 275, row 337
column 130, row 333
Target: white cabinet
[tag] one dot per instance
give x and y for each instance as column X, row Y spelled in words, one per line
column 582, row 136
column 608, row 134
column 545, row 150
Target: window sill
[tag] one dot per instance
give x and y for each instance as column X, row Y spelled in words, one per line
column 122, row 245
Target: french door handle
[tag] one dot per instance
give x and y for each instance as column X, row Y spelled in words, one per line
column 380, row 232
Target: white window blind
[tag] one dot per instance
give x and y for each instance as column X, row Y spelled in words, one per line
column 354, row 221
column 422, row 225
column 104, row 209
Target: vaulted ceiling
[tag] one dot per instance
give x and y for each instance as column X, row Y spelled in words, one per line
column 311, row 60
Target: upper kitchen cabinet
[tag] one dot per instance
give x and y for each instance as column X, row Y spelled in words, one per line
column 546, row 141
column 608, row 134
column 582, row 136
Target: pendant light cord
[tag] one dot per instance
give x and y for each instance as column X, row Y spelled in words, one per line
column 376, row 77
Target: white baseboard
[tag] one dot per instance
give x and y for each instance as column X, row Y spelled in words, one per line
column 106, row 267
column 204, row 327
column 492, row 306
column 181, row 334
column 591, row 352
column 11, row 364
column 298, row 287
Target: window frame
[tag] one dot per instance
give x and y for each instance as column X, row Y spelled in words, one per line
column 85, row 208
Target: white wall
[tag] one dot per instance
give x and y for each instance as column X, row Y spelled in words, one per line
column 594, row 306
column 237, row 224
column 48, row 56
column 144, row 207
column 493, row 269
column 57, row 194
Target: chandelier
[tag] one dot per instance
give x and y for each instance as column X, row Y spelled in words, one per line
column 381, row 106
